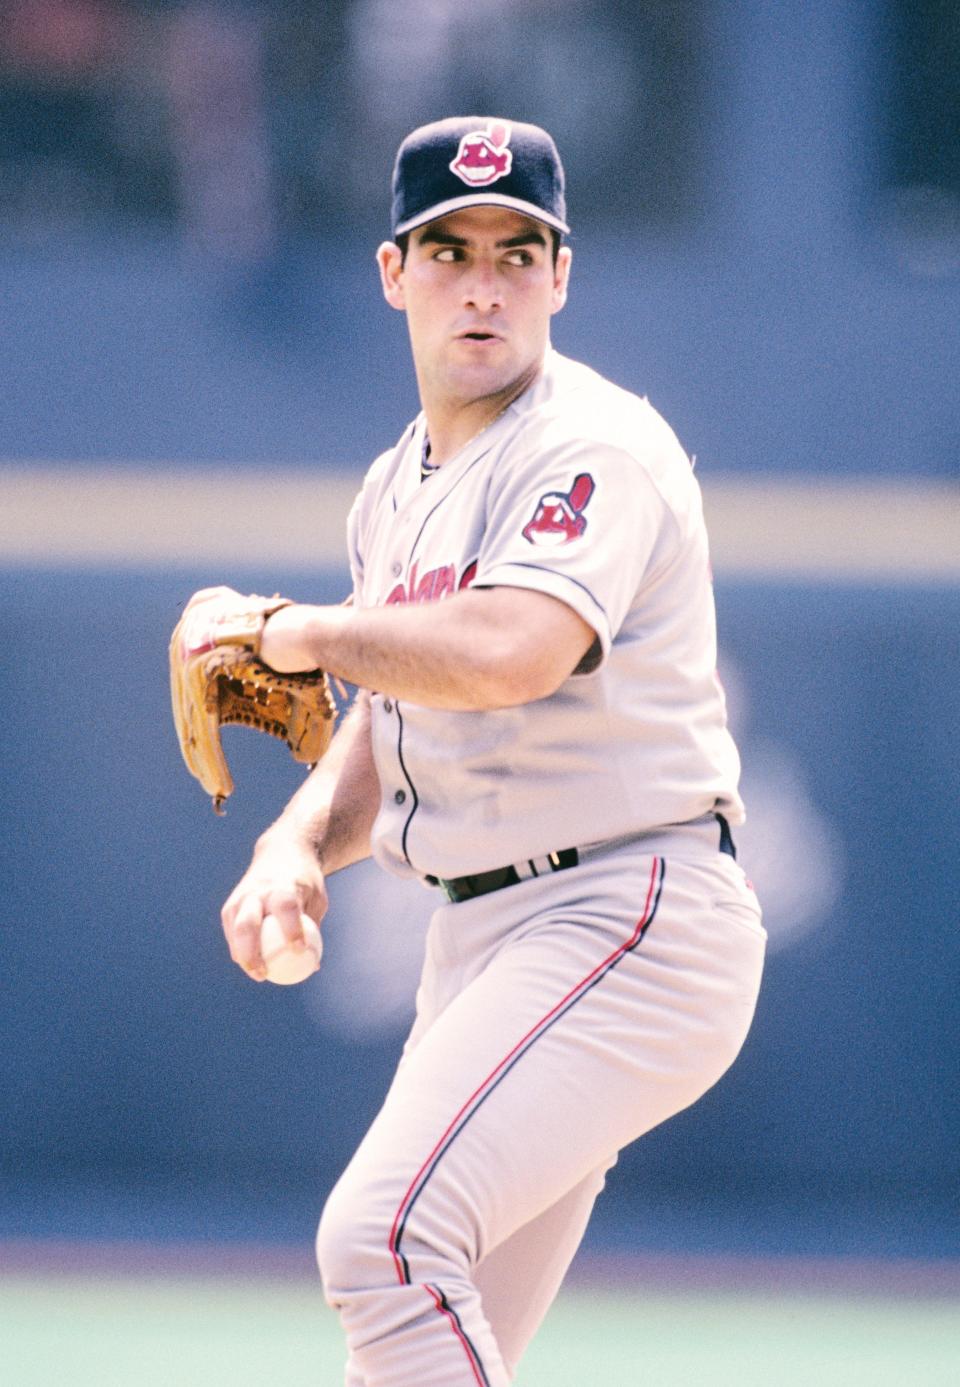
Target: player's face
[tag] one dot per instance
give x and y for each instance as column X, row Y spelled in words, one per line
column 479, row 288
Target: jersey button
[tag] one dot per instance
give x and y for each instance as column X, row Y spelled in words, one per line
column 396, row 568
column 387, row 706
column 400, row 796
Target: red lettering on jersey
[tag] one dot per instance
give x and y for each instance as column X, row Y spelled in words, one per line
column 469, row 573
column 433, row 585
column 439, row 582
column 445, row 581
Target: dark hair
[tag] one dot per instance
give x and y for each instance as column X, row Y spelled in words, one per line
column 403, row 241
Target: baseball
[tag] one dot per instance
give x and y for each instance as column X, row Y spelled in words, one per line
column 283, row 964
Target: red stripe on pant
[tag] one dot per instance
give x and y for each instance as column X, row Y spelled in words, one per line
column 650, row 905
column 444, row 1309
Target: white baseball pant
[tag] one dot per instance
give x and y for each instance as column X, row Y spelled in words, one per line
column 557, row 1020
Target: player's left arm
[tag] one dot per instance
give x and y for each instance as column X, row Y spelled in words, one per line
column 479, row 649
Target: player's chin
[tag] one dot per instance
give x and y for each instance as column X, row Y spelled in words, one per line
column 486, row 371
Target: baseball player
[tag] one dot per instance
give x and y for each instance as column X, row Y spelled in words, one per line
column 540, row 739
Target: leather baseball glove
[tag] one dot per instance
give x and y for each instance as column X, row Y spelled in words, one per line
column 216, row 679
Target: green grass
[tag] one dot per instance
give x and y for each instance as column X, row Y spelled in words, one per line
column 745, row 1340
column 109, row 1331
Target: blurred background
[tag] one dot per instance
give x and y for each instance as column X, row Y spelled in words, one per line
column 196, row 368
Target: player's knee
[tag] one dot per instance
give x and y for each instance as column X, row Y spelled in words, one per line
column 352, row 1246
column 335, row 1246
column 360, row 1245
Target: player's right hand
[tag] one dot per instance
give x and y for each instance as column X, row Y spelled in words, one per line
column 283, row 879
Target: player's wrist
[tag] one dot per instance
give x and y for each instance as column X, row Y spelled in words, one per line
column 287, row 643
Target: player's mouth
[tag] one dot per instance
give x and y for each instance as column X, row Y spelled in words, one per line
column 478, row 335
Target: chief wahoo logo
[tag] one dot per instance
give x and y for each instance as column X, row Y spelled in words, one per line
column 559, row 515
column 484, row 156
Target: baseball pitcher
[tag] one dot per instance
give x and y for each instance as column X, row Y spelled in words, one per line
column 540, row 739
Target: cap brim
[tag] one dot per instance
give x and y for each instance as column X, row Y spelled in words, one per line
column 457, row 204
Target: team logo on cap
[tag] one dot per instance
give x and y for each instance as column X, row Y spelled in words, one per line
column 484, row 156
column 559, row 516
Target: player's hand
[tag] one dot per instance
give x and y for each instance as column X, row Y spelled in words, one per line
column 285, row 644
column 283, row 879
column 285, row 639
column 214, row 602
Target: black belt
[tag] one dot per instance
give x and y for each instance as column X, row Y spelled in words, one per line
column 481, row 883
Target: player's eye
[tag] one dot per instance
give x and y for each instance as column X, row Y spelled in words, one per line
column 447, row 255
column 519, row 257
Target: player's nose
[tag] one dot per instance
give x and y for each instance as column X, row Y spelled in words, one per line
column 482, row 288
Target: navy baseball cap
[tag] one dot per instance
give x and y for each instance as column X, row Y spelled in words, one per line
column 477, row 161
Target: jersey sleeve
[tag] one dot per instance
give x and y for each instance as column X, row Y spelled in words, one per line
column 361, row 516
column 580, row 523
column 355, row 548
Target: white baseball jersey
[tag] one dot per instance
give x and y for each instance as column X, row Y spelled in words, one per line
column 582, row 491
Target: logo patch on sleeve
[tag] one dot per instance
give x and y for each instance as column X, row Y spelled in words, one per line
column 559, row 516
column 484, row 155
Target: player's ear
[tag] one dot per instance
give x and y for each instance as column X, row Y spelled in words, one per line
column 390, row 261
column 561, row 278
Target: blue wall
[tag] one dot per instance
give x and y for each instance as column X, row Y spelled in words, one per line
column 823, row 358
